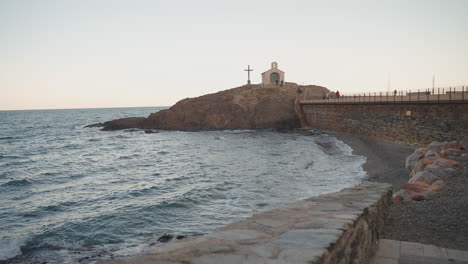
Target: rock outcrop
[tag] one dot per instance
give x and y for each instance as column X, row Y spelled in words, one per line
column 245, row 107
column 428, row 165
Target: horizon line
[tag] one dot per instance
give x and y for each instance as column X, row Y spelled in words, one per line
column 78, row 108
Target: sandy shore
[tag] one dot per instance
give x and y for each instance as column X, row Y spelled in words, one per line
column 442, row 221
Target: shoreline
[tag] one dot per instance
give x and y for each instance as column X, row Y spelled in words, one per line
column 385, row 160
column 442, row 222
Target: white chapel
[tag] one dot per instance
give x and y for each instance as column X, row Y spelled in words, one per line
column 273, row 76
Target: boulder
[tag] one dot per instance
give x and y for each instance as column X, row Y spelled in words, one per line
column 422, row 164
column 439, row 171
column 452, row 144
column 425, row 177
column 419, row 191
column 450, row 152
column 464, row 143
column 438, row 185
column 434, row 164
column 414, row 158
column 445, row 163
column 431, row 154
column 435, row 145
column 402, row 197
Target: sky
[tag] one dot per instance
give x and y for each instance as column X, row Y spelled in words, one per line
column 57, row 54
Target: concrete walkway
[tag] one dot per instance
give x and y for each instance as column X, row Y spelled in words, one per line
column 401, row 252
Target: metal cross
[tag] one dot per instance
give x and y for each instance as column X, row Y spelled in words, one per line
column 248, row 73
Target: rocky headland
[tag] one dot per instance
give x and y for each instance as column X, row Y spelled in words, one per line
column 246, row 107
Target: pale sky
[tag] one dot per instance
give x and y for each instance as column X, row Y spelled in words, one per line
column 115, row 53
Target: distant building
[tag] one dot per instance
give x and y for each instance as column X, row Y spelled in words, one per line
column 273, row 76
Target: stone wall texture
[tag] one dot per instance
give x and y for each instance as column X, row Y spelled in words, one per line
column 419, row 123
column 337, row 228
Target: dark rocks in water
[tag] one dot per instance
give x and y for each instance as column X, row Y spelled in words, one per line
column 81, row 259
column 132, row 130
column 165, row 238
column 150, row 131
column 124, row 123
column 245, row 107
column 94, row 125
column 180, row 237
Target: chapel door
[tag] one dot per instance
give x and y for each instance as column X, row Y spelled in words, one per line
column 274, row 78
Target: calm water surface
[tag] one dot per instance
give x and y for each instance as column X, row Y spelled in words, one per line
column 75, row 195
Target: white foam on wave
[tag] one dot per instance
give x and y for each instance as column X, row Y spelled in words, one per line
column 11, row 247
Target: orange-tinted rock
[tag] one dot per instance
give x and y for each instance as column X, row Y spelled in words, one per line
column 416, row 187
column 425, row 177
column 444, row 162
column 453, row 144
column 451, row 152
column 419, row 191
column 464, row 143
column 438, row 185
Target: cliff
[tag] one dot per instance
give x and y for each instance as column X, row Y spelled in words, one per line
column 245, row 107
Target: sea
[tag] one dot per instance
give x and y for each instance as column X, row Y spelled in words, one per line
column 70, row 194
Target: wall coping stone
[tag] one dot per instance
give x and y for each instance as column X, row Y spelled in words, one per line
column 341, row 227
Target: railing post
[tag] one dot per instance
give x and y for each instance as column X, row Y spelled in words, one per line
column 427, row 93
column 450, row 94
column 438, row 95
column 410, row 95
column 463, row 93
column 418, row 95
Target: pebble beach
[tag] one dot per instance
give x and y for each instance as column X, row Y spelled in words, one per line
column 441, row 221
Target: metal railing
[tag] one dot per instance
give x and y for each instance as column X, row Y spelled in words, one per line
column 454, row 94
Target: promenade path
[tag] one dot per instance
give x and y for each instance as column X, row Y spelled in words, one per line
column 379, row 98
column 401, row 252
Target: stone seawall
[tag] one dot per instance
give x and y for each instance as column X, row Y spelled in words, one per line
column 419, row 123
column 341, row 227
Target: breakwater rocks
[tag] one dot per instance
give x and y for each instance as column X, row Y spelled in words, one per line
column 341, row 227
column 429, row 165
column 245, row 107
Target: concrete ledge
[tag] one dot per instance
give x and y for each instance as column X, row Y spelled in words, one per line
column 341, row 227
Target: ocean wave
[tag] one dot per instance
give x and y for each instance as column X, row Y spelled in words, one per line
column 23, row 182
column 11, row 247
column 143, row 191
column 127, row 185
column 9, row 157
